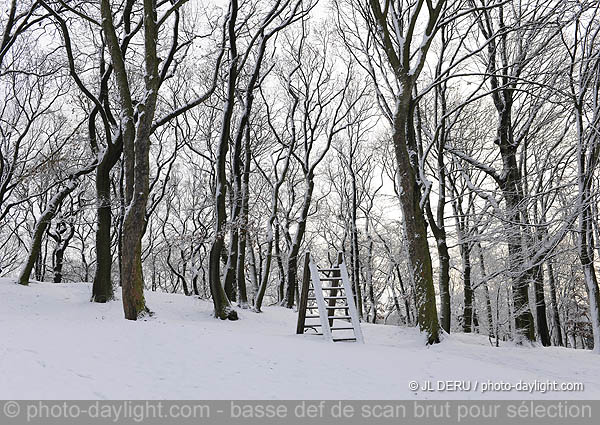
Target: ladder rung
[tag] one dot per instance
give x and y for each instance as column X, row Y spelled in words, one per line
column 337, row 317
column 332, row 287
column 333, row 328
column 343, row 339
column 343, row 297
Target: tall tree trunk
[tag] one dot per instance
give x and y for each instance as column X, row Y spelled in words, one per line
column 355, row 252
column 554, row 304
column 588, row 157
column 253, row 269
column 537, row 271
column 134, row 222
column 102, row 288
column 444, row 283
column 292, row 265
column 273, row 237
column 437, row 224
column 280, row 265
column 524, row 324
column 486, row 291
column 136, row 150
column 405, row 149
column 267, row 269
column 222, row 306
column 232, row 257
column 369, row 274
column 407, row 306
column 586, row 244
column 510, row 180
column 414, row 222
column 540, row 306
column 243, row 232
column 468, row 289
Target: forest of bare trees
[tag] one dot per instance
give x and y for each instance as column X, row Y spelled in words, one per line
column 449, row 149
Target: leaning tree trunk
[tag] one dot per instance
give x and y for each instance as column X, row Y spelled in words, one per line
column 40, row 228
column 292, row 265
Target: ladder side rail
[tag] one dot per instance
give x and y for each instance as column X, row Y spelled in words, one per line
column 318, row 290
column 304, row 295
column 351, row 305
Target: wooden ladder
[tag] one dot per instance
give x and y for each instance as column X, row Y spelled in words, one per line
column 321, row 291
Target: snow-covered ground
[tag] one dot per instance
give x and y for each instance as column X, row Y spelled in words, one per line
column 55, row 344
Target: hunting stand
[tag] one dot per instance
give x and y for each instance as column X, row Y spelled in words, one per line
column 334, row 302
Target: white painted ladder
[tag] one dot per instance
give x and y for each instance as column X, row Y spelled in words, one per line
column 321, row 291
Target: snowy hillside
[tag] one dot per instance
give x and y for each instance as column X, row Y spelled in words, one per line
column 56, row 344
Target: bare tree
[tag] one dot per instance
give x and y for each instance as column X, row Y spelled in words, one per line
column 584, row 89
column 391, row 29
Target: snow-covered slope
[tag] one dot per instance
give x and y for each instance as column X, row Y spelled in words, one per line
column 56, row 344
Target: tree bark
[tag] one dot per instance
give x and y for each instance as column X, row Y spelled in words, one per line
column 222, row 306
column 468, row 289
column 136, row 149
column 405, row 148
column 40, row 228
column 102, row 288
column 292, row 265
column 355, row 257
column 64, row 234
column 540, row 306
column 243, row 232
column 554, row 304
column 415, row 226
column 488, row 302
